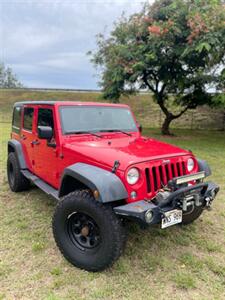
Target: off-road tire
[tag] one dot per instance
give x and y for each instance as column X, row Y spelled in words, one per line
column 112, row 233
column 190, row 218
column 17, row 182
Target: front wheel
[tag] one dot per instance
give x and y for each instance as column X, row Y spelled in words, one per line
column 88, row 233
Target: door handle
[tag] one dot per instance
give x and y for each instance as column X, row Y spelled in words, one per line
column 35, row 142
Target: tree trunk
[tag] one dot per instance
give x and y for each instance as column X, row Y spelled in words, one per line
column 223, row 128
column 165, row 130
column 166, row 125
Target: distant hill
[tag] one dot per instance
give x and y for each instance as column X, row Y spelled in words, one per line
column 146, row 111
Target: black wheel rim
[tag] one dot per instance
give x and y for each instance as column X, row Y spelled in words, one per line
column 11, row 173
column 83, row 231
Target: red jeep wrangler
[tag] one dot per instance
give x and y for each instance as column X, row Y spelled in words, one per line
column 92, row 158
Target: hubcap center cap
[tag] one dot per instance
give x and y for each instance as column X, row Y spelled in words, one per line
column 85, row 231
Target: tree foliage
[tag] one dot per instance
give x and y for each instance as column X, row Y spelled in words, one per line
column 7, row 78
column 170, row 47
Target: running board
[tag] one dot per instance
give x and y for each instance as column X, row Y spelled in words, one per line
column 49, row 190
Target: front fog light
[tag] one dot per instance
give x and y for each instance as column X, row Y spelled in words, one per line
column 148, row 216
column 133, row 195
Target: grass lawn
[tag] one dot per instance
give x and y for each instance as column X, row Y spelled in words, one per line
column 176, row 263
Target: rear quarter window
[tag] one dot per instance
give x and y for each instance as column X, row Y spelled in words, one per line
column 28, row 118
column 16, row 121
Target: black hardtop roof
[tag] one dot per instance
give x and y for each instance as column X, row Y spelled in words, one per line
column 36, row 102
column 78, row 103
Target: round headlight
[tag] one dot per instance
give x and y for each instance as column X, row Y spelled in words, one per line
column 190, row 164
column 133, row 176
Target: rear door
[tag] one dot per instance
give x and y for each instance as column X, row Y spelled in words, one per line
column 27, row 135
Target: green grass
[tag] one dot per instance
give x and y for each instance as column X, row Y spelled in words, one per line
column 176, row 263
column 185, row 280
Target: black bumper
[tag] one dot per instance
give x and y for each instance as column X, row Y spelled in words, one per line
column 150, row 212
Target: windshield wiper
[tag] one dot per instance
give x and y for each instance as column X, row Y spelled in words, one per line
column 83, row 132
column 115, row 130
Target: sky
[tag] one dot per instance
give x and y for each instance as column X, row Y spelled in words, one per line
column 46, row 42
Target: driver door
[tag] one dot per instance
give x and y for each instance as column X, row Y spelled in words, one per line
column 45, row 152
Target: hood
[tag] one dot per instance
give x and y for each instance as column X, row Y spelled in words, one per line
column 128, row 150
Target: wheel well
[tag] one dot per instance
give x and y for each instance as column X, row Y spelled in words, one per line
column 10, row 149
column 70, row 184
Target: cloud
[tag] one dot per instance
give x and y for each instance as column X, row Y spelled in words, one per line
column 27, row 39
column 71, row 61
column 42, row 39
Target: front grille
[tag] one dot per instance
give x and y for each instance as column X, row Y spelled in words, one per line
column 158, row 176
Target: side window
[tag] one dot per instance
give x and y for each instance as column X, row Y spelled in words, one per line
column 45, row 117
column 28, row 118
column 16, row 122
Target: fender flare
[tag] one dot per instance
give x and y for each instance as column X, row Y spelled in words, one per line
column 109, row 186
column 203, row 166
column 17, row 147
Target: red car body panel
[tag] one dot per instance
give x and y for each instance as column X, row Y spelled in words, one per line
column 157, row 161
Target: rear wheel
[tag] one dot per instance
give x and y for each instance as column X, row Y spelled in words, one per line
column 191, row 215
column 88, row 233
column 17, row 181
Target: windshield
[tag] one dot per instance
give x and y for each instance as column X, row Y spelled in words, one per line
column 96, row 118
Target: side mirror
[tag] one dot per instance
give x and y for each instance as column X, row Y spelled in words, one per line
column 139, row 126
column 45, row 132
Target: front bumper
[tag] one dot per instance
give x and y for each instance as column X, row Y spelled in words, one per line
column 151, row 212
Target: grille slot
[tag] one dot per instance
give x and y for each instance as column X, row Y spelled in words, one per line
column 178, row 169
column 158, row 176
column 154, row 178
column 167, row 172
column 148, row 180
column 161, row 175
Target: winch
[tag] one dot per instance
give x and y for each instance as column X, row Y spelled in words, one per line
column 193, row 195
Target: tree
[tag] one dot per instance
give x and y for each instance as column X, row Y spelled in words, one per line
column 8, row 79
column 170, row 47
column 218, row 99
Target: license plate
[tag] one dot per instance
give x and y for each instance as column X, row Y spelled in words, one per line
column 171, row 218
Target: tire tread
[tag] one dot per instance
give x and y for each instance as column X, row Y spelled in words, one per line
column 119, row 231
column 21, row 183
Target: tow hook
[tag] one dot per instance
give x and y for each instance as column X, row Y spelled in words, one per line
column 208, row 201
column 210, row 197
